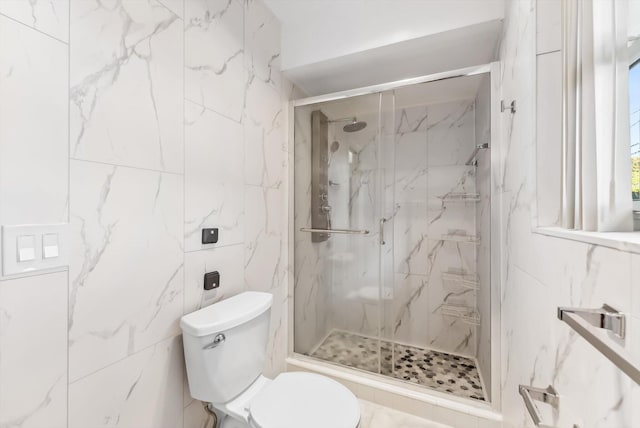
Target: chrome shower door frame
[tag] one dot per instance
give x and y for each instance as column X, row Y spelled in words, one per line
column 379, row 382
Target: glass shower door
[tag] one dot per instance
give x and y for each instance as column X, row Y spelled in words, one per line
column 338, row 201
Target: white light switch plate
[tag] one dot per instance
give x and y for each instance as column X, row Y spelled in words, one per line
column 12, row 253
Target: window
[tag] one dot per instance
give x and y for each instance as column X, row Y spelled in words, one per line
column 634, row 122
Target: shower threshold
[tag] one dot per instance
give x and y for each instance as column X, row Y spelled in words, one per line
column 441, row 371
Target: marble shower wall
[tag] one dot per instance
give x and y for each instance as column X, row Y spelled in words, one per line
column 539, row 272
column 139, row 122
column 432, row 144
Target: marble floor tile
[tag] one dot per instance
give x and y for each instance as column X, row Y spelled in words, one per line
column 376, row 416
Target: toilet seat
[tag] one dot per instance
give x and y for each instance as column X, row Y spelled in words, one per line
column 295, row 400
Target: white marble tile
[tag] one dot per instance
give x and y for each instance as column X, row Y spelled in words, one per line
column 411, row 119
column 409, row 239
column 635, row 285
column 214, row 55
column 33, row 159
column 143, row 390
column 33, row 351
column 448, row 333
column 277, row 347
column 411, row 167
column 264, row 265
column 127, row 52
column 450, row 133
column 126, row 269
column 263, row 236
column 213, row 177
column 49, row 16
column 262, row 43
column 408, row 310
column 264, row 133
column 175, row 6
column 227, row 260
column 548, row 26
column 376, row 416
column 445, row 215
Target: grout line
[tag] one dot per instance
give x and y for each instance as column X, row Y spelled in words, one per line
column 153, row 345
column 161, row 3
column 214, row 247
column 126, row 166
column 33, row 28
column 548, row 52
column 184, row 189
column 213, row 111
column 68, row 194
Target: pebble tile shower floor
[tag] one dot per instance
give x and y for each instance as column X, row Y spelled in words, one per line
column 443, row 372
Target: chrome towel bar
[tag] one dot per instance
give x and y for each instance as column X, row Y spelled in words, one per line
column 605, row 317
column 531, row 394
column 339, row 231
column 583, row 322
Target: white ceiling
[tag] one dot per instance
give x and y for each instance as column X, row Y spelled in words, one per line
column 436, row 53
column 318, row 30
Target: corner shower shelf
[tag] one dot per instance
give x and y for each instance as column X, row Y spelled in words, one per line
column 459, row 197
column 467, row 314
column 461, row 279
column 459, row 237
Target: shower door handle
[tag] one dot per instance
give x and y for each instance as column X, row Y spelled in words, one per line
column 382, row 222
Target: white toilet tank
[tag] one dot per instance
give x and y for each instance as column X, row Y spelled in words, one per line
column 225, row 345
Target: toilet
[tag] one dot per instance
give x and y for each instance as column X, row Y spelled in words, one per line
column 225, row 347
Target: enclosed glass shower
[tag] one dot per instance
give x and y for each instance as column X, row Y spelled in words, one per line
column 392, row 203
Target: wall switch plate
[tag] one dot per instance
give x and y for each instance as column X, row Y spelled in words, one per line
column 50, row 247
column 28, row 248
column 211, row 280
column 210, row 236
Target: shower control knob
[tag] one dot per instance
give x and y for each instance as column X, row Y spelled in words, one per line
column 323, row 196
column 326, row 209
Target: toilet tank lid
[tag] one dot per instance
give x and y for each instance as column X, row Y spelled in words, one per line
column 226, row 314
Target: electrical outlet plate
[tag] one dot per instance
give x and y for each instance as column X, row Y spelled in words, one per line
column 211, row 280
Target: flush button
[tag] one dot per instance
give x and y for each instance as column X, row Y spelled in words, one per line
column 50, row 248
column 26, row 248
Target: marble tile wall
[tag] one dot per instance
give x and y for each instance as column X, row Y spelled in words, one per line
column 139, row 122
column 540, row 272
column 432, row 145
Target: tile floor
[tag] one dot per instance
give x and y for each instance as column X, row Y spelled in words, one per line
column 443, row 372
column 376, row 416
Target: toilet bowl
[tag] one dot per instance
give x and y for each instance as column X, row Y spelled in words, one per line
column 225, row 348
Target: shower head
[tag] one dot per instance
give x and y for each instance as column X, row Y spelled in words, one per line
column 355, row 126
